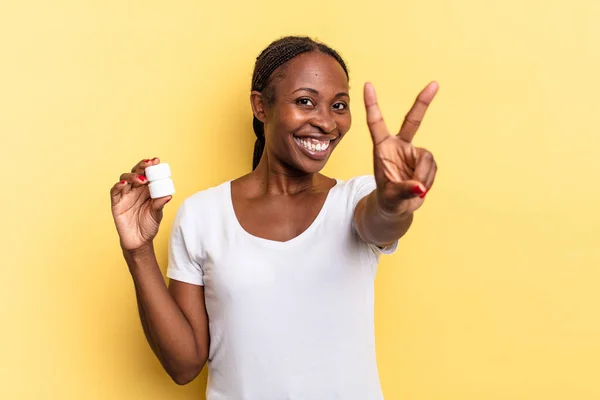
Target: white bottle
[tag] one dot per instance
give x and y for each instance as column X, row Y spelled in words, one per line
column 161, row 184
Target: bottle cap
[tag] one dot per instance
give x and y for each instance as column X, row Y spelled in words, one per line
column 161, row 188
column 160, row 171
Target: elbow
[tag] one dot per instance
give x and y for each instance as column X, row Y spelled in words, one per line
column 183, row 376
column 183, row 379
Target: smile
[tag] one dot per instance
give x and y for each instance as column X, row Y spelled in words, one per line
column 313, row 145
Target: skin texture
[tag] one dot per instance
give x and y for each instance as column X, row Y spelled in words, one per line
column 283, row 195
column 404, row 173
column 174, row 319
column 278, row 200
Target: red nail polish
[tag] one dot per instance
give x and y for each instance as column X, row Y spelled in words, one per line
column 142, row 178
column 423, row 195
column 417, row 190
column 147, row 160
column 123, row 182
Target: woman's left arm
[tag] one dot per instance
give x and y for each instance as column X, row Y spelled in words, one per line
column 403, row 173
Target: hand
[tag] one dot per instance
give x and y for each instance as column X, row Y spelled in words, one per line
column 404, row 173
column 137, row 216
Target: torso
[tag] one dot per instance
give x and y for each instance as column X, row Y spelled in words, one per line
column 290, row 318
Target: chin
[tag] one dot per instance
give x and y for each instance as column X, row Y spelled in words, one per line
column 310, row 166
column 310, row 155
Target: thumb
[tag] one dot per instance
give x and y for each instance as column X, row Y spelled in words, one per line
column 379, row 132
column 406, row 190
column 158, row 204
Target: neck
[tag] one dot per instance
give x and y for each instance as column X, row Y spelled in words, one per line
column 278, row 179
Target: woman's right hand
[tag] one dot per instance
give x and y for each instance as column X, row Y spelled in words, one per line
column 137, row 216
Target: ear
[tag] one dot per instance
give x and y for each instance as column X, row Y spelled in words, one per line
column 258, row 105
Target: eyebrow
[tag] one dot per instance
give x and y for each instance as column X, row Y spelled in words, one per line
column 314, row 91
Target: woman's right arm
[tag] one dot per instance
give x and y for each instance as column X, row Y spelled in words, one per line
column 174, row 319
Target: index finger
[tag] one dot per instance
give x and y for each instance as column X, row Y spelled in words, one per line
column 141, row 166
column 413, row 119
column 379, row 132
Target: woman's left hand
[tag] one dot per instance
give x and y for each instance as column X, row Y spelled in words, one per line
column 404, row 173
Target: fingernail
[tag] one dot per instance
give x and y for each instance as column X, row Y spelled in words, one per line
column 155, row 158
column 417, row 189
column 142, row 178
column 148, row 160
column 423, row 195
column 123, row 182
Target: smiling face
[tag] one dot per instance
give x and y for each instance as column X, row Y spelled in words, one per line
column 309, row 113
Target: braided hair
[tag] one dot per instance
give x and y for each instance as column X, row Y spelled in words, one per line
column 269, row 61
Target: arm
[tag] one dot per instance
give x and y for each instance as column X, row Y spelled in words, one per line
column 376, row 226
column 403, row 173
column 174, row 319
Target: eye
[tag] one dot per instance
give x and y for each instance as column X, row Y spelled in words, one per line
column 340, row 106
column 305, row 101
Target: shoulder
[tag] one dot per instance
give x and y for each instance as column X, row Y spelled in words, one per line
column 357, row 187
column 205, row 201
column 358, row 182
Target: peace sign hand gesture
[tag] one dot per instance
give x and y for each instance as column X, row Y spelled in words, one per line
column 403, row 173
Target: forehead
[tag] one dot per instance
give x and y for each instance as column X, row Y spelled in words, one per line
column 314, row 70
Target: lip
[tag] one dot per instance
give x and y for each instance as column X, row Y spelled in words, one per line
column 316, row 135
column 315, row 155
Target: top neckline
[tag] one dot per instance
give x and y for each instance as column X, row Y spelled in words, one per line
column 276, row 243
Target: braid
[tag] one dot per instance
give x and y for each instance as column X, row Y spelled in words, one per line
column 271, row 59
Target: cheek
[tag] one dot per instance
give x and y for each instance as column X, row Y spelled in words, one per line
column 344, row 122
column 291, row 119
column 295, row 119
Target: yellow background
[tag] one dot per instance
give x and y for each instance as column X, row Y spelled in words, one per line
column 493, row 293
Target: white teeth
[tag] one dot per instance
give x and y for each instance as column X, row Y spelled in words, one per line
column 313, row 144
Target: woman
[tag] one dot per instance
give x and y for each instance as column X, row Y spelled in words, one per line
column 271, row 274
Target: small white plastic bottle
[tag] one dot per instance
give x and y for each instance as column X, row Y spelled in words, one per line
column 161, row 184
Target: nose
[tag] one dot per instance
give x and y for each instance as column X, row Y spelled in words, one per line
column 324, row 121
